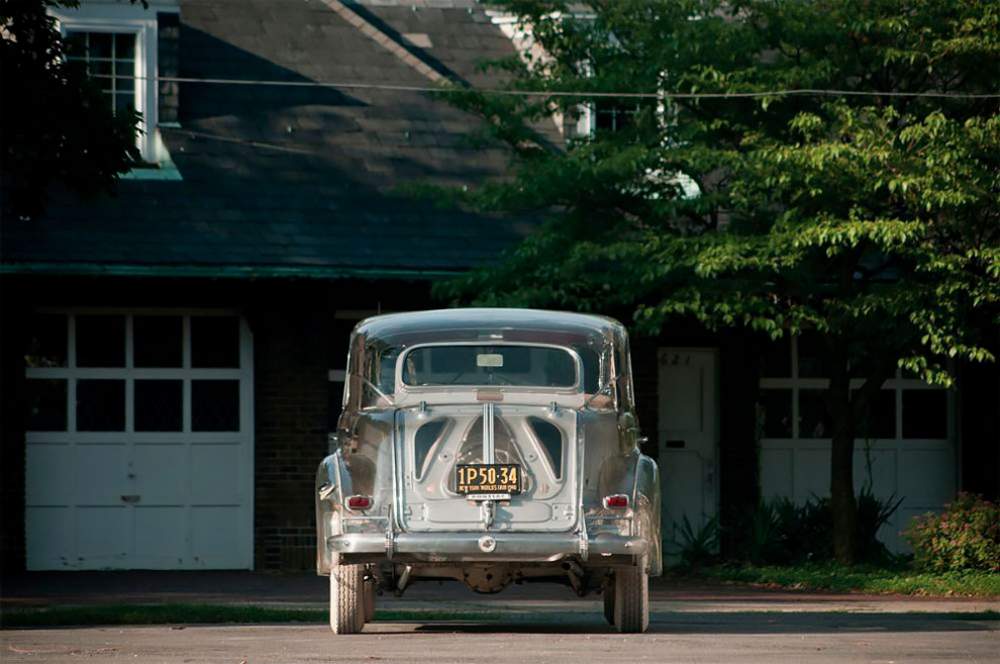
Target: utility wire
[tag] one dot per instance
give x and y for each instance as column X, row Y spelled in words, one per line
column 793, row 92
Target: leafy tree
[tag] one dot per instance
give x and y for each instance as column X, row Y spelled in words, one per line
column 871, row 219
column 55, row 124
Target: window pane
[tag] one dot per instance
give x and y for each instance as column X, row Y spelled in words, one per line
column 100, row 341
column 100, row 44
column 47, row 341
column 76, row 44
column 124, row 102
column 813, row 420
column 125, row 46
column 215, row 342
column 46, row 405
column 775, row 413
column 102, row 70
column 881, row 419
column 215, row 405
column 812, row 357
column 925, row 414
column 489, row 365
column 124, row 83
column 157, row 341
column 777, row 359
column 100, row 405
column 158, row 405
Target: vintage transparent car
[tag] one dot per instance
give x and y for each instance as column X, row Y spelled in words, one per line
column 489, row 446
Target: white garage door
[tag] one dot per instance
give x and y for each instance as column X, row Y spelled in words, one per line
column 906, row 451
column 140, row 441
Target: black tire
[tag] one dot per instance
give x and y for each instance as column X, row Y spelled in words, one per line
column 609, row 600
column 631, row 603
column 369, row 599
column 347, row 610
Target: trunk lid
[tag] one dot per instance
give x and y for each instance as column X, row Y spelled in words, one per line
column 541, row 440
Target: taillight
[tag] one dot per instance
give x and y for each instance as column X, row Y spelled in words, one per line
column 359, row 502
column 618, row 501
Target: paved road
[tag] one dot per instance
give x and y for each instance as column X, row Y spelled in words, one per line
column 571, row 638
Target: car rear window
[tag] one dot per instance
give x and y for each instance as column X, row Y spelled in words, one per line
column 495, row 365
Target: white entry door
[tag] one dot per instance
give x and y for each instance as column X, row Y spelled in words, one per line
column 140, row 441
column 688, row 439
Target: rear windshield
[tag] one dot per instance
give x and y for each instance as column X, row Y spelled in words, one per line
column 523, row 366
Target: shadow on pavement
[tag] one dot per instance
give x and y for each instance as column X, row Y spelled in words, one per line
column 750, row 622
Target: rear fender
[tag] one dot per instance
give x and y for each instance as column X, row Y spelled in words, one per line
column 333, row 483
column 637, row 476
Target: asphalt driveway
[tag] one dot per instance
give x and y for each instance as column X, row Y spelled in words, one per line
column 689, row 623
column 684, row 637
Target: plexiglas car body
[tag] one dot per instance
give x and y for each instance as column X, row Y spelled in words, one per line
column 538, row 409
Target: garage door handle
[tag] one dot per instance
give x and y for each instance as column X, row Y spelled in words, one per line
column 131, row 499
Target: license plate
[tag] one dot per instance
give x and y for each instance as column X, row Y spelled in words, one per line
column 488, row 481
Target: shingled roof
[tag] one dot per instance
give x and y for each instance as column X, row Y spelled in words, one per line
column 297, row 181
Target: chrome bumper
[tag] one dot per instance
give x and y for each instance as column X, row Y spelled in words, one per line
column 447, row 547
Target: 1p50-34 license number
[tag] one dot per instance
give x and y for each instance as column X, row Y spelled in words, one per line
column 480, row 478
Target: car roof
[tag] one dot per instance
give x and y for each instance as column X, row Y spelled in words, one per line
column 487, row 324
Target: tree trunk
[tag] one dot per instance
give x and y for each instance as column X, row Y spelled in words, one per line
column 842, row 502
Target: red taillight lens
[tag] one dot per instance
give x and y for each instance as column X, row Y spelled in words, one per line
column 359, row 502
column 619, row 501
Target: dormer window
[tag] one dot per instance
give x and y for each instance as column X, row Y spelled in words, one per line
column 110, row 58
column 117, row 45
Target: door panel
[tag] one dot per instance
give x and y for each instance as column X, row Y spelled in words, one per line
column 688, row 439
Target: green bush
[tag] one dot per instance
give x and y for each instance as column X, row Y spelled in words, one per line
column 783, row 533
column 966, row 536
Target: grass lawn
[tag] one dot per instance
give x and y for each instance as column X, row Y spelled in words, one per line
column 189, row 614
column 862, row 579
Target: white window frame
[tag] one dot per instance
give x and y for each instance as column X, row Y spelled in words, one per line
column 897, row 383
column 127, row 18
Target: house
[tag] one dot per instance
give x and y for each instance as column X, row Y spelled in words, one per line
column 173, row 357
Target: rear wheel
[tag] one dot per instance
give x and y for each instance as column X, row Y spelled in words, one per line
column 347, row 605
column 609, row 599
column 631, row 599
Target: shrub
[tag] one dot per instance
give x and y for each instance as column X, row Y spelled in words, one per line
column 965, row 536
column 782, row 533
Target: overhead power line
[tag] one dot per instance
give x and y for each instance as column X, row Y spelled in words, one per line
column 350, row 85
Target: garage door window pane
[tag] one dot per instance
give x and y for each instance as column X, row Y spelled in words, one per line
column 813, row 420
column 812, row 356
column 46, row 405
column 47, row 342
column 776, row 413
column 925, row 414
column 215, row 342
column 777, row 359
column 158, row 405
column 157, row 341
column 100, row 341
column 100, row 405
column 881, row 420
column 215, row 405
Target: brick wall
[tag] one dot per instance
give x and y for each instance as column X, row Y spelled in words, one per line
column 291, row 355
column 12, row 422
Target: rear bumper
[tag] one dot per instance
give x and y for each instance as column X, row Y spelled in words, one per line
column 471, row 547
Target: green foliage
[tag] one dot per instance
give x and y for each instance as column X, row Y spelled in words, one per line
column 966, row 536
column 896, row 579
column 870, row 219
column 57, row 126
column 784, row 533
column 698, row 546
